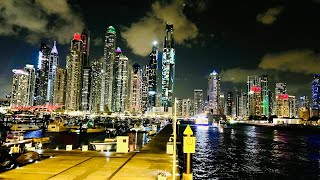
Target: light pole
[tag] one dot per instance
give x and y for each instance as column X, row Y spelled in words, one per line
column 174, row 140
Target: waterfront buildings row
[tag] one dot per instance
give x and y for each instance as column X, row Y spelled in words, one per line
column 110, row 84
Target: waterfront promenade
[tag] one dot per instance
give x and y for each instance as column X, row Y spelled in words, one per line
column 76, row 164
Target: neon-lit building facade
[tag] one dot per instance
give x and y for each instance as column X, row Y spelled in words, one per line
column 60, row 87
column 74, row 72
column 107, row 88
column 42, row 75
column 198, row 101
column 152, row 77
column 168, row 68
column 316, row 92
column 265, row 95
column 120, row 82
column 135, row 103
column 253, row 96
column 53, row 66
column 214, row 93
column 86, row 72
column 20, row 84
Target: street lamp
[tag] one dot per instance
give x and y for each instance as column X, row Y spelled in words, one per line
column 174, row 140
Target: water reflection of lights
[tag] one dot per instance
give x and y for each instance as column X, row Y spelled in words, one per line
column 203, row 127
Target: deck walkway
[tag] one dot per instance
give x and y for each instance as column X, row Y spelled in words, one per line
column 101, row 165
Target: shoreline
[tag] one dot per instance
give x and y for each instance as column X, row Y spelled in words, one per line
column 278, row 127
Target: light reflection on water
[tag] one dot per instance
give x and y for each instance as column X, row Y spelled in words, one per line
column 255, row 153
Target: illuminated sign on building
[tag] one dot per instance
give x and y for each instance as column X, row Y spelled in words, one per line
column 255, row 89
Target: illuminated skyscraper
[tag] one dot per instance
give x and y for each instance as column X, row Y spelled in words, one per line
column 96, row 86
column 254, row 101
column 74, row 72
column 42, row 75
column 108, row 71
column 53, row 66
column 31, row 83
column 265, row 95
column 282, row 100
column 145, row 88
column 20, row 84
column 152, row 77
column 187, row 108
column 229, row 103
column 316, row 92
column 198, row 101
column 281, row 88
column 179, row 107
column 214, row 93
column 304, row 102
column 86, row 72
column 120, row 86
column 168, row 68
column 60, row 87
column 135, row 103
column 292, row 107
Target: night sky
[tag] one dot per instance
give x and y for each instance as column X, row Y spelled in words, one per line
column 237, row 38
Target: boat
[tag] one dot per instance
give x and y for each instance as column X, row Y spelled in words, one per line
column 41, row 140
column 151, row 133
column 14, row 136
column 57, row 126
column 109, row 144
column 24, row 127
column 96, row 130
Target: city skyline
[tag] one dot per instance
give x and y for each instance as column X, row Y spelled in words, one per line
column 224, row 49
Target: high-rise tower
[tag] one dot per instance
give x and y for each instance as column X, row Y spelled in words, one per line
column 152, row 76
column 214, row 93
column 282, row 100
column 86, row 72
column 198, row 101
column 53, row 66
column 21, row 88
column 168, row 68
column 107, row 70
column 120, row 82
column 31, row 84
column 265, row 95
column 74, row 69
column 60, row 87
column 135, row 104
column 96, row 74
column 42, row 75
column 316, row 95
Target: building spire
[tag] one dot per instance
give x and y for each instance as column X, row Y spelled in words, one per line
column 54, row 48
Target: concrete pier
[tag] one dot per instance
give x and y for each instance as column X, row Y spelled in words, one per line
column 76, row 164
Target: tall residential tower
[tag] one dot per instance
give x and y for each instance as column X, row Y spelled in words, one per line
column 168, row 68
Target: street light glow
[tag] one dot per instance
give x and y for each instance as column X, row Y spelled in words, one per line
column 155, row 43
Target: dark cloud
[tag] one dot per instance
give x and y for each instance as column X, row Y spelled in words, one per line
column 270, row 16
column 33, row 19
column 151, row 27
column 300, row 61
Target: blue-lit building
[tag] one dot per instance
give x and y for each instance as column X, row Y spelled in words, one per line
column 316, row 95
column 168, row 68
column 53, row 66
column 42, row 75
